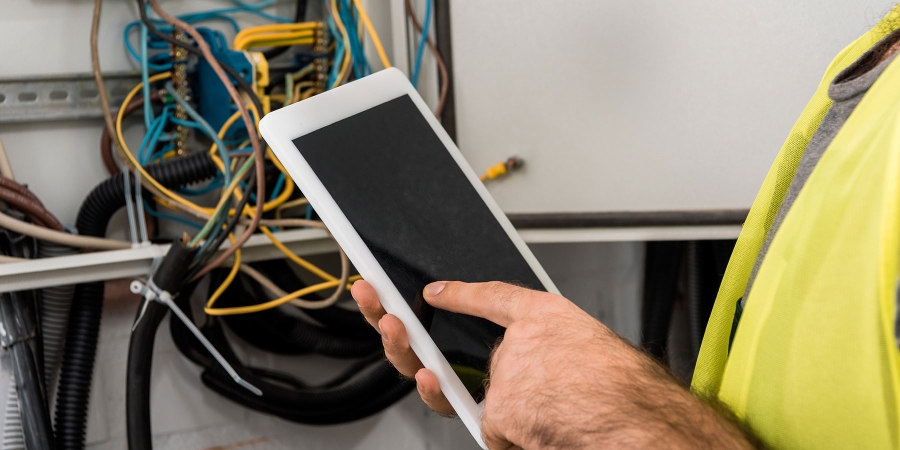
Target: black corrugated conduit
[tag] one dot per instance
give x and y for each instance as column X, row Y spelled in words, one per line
column 140, row 348
column 365, row 389
column 21, row 340
column 84, row 319
column 55, row 302
column 342, row 333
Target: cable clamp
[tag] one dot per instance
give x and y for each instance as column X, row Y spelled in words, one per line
column 152, row 292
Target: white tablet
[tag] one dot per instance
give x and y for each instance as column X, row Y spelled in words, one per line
column 401, row 200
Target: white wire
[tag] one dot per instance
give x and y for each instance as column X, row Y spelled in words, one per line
column 139, row 204
column 129, row 202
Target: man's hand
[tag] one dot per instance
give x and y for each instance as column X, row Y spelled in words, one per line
column 560, row 378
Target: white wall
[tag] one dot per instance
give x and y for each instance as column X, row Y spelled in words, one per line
column 640, row 104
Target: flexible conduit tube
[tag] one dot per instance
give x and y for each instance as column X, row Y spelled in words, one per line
column 55, row 303
column 84, row 319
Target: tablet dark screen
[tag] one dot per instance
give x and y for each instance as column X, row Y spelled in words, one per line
column 419, row 215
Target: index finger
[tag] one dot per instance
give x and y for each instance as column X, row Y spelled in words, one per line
column 498, row 302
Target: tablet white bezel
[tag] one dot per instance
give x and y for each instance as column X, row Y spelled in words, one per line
column 281, row 127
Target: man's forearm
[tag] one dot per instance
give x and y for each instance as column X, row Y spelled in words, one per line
column 650, row 409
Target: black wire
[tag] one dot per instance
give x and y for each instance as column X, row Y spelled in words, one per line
column 299, row 16
column 220, row 238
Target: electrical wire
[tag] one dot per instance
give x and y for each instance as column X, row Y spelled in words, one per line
column 205, row 126
column 5, row 167
column 228, row 279
column 152, row 184
column 129, row 202
column 58, row 237
column 345, row 272
column 289, row 187
column 348, row 50
column 11, row 184
column 277, row 35
column 106, row 139
column 223, row 203
column 372, row 33
column 32, row 207
column 420, row 50
column 237, row 77
column 293, row 203
column 245, row 115
column 281, row 293
column 299, row 15
column 296, row 259
column 442, row 66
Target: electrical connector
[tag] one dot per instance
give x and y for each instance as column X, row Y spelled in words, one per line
column 502, row 168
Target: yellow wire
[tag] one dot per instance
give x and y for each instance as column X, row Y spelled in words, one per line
column 247, row 33
column 230, row 278
column 348, row 53
column 307, row 94
column 290, row 204
column 274, row 35
column 372, row 33
column 277, row 302
column 276, row 27
column 344, row 67
column 289, row 182
column 298, row 260
column 298, row 86
column 239, row 44
column 119, row 117
column 283, row 42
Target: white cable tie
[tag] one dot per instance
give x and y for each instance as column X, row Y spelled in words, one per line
column 152, row 292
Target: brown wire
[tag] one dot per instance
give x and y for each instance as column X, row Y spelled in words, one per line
column 104, row 95
column 248, row 123
column 106, row 141
column 32, row 208
column 442, row 67
column 11, row 184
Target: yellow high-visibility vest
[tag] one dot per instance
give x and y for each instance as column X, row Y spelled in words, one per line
column 814, row 361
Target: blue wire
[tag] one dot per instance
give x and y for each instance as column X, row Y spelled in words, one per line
column 191, row 18
column 207, row 129
column 261, row 4
column 279, row 186
column 212, row 235
column 145, row 78
column 134, row 54
column 150, row 138
column 252, row 195
column 359, row 58
column 158, row 154
column 338, row 57
column 160, row 215
column 186, row 123
column 216, row 183
column 337, row 50
column 421, row 50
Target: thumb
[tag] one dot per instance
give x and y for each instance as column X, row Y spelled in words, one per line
column 498, row 302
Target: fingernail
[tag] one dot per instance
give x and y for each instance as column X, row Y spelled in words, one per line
column 435, row 288
column 383, row 337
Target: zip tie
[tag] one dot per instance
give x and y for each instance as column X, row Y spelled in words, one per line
column 151, row 292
